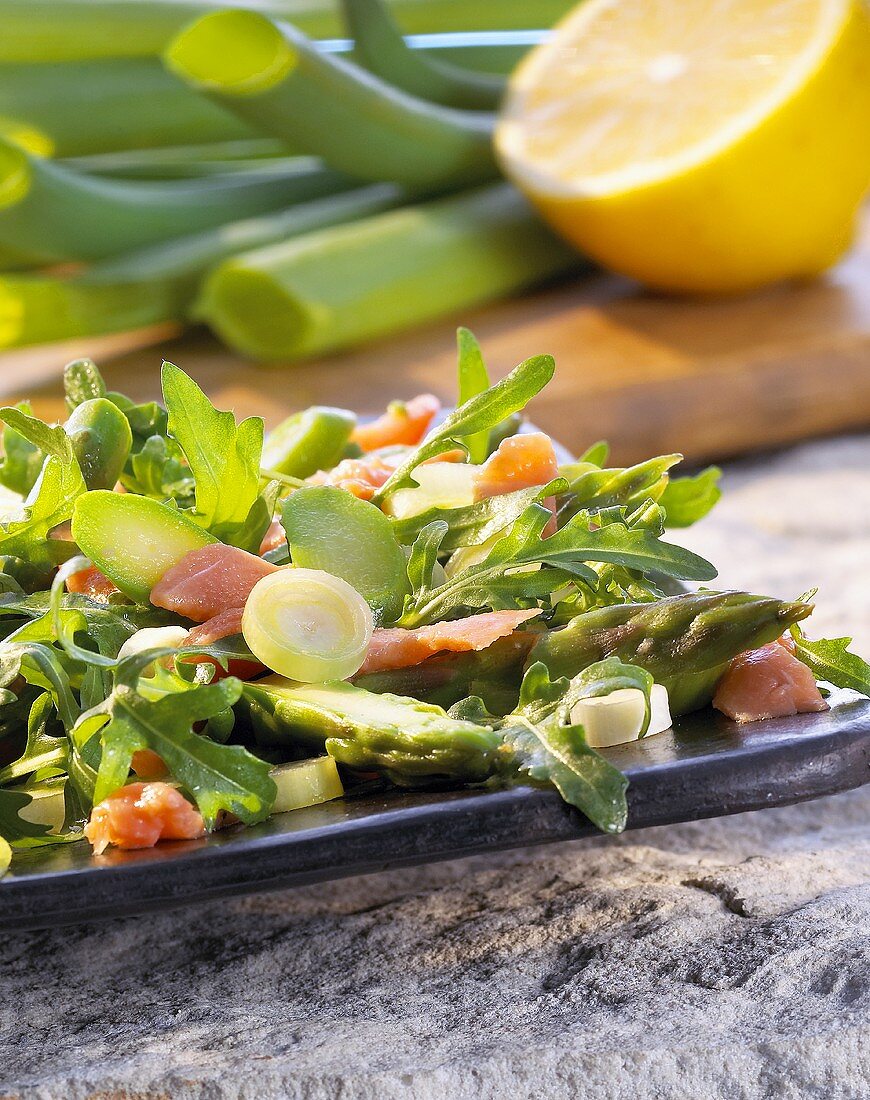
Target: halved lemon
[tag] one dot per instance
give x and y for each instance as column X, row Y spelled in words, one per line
column 697, row 145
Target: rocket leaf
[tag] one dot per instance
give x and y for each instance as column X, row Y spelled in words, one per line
column 479, row 414
column 224, row 458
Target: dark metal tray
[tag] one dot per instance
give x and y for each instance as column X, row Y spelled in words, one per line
column 705, row 767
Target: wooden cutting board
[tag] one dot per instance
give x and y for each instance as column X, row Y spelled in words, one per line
column 711, row 379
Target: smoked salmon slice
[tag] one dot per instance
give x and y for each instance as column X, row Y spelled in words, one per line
column 769, row 682
column 148, row 765
column 209, row 580
column 404, row 423
column 521, row 462
column 273, row 538
column 360, row 476
column 395, row 647
column 224, row 625
column 91, row 582
column 140, row 814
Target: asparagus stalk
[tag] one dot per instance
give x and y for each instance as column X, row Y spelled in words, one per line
column 275, row 78
column 95, row 106
column 685, row 642
column 53, row 213
column 158, row 283
column 493, row 673
column 346, row 285
column 408, row 741
column 414, row 743
column 381, row 48
column 74, row 30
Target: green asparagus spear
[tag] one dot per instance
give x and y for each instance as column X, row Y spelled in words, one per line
column 684, row 641
column 407, row 741
column 414, row 743
column 493, row 673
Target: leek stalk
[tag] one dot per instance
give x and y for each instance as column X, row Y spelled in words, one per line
column 382, row 49
column 159, row 283
column 53, row 213
column 75, row 30
column 352, row 283
column 274, row 78
column 182, row 161
column 95, row 106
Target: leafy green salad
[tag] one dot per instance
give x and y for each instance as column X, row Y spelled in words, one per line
column 203, row 624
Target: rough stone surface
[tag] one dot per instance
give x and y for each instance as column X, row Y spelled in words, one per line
column 727, row 958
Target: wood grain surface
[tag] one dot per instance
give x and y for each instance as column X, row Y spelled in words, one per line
column 651, row 374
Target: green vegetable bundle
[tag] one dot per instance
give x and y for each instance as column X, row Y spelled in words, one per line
column 580, row 561
column 185, row 160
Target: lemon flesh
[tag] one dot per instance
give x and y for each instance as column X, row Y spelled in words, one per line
column 698, row 145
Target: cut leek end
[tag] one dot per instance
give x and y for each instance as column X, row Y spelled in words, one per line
column 14, row 173
column 306, row 783
column 28, row 137
column 617, row 718
column 233, row 52
column 256, row 316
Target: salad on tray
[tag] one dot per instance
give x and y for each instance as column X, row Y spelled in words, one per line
column 203, row 626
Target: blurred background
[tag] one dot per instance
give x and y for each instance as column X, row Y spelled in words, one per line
column 299, row 200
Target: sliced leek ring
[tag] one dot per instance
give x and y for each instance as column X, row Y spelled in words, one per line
column 307, row 624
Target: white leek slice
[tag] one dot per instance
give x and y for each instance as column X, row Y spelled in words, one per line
column 307, row 624
column 441, row 485
column 617, row 718
column 153, row 637
column 306, row 783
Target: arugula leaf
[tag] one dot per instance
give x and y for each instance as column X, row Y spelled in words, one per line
column 424, row 555
column 224, row 458
column 479, row 414
column 620, row 487
column 14, row 828
column 623, row 542
column 597, row 454
column 22, row 460
column 475, row 524
column 5, row 856
column 157, row 470
column 490, row 583
column 51, row 499
column 829, row 659
column 499, row 581
column 50, row 439
column 548, row 749
column 688, row 499
column 220, row 777
column 146, row 419
column 46, row 745
column 473, row 380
